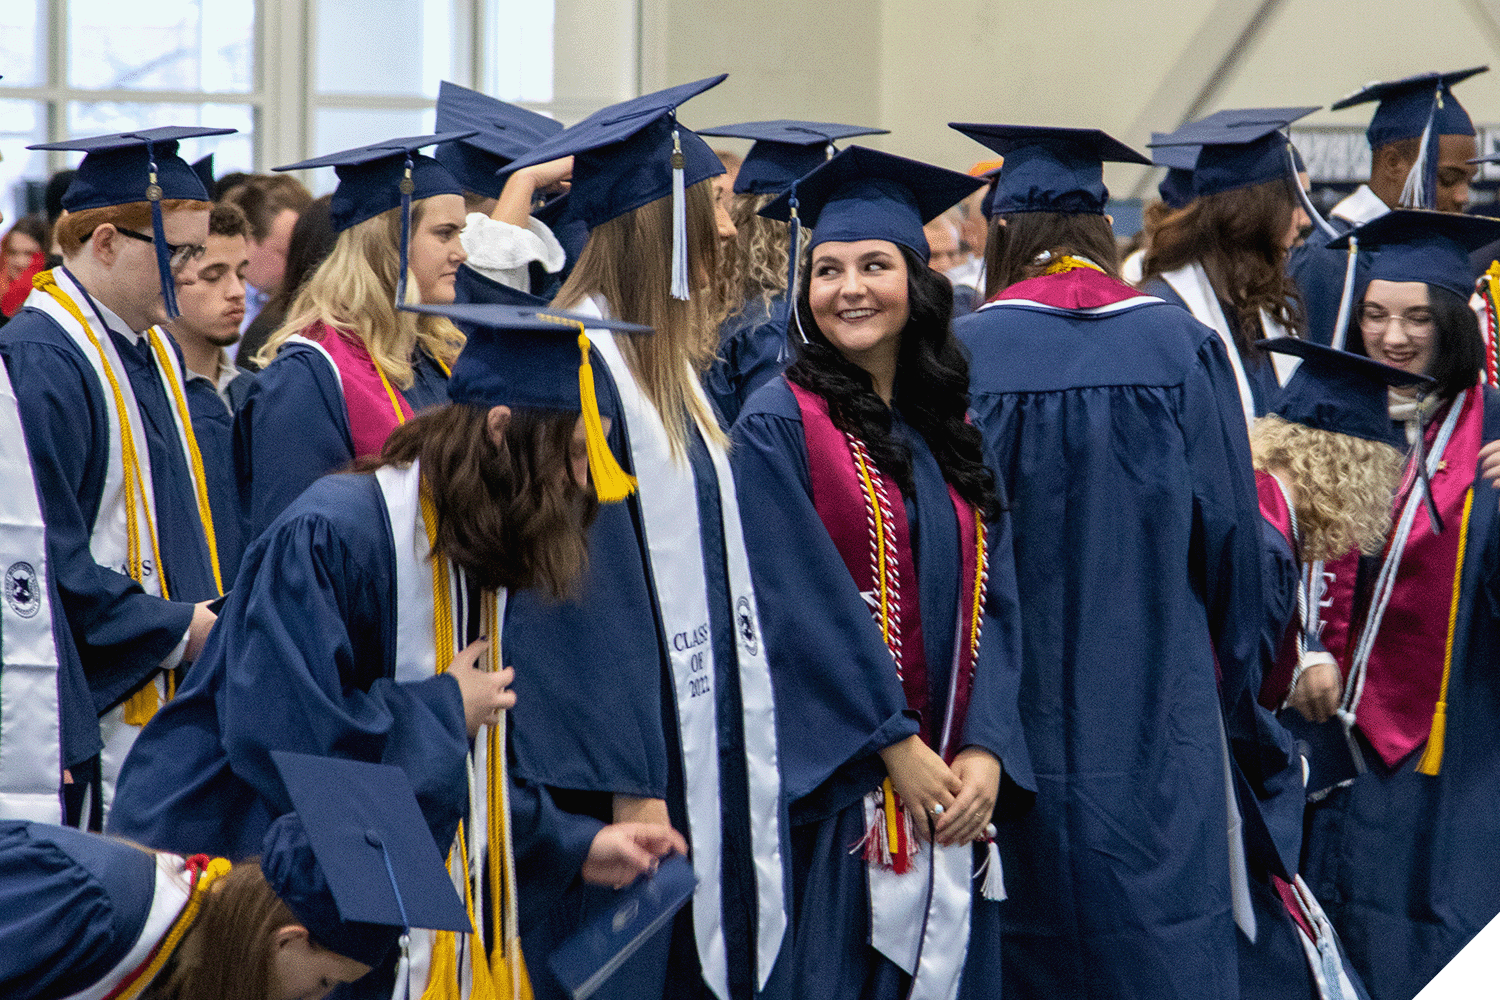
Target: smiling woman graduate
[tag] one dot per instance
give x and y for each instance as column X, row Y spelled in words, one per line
column 351, row 367
column 880, row 549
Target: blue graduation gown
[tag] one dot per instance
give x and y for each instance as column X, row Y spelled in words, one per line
column 839, row 702
column 294, row 427
column 752, row 351
column 302, row 659
column 213, row 425
column 1404, row 863
column 122, row 633
column 1118, row 435
column 72, row 905
column 1259, row 372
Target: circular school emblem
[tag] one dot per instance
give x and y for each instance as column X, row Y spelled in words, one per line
column 744, row 619
column 21, row 589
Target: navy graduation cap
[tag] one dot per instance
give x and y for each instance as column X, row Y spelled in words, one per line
column 1336, row 391
column 1420, row 106
column 784, row 150
column 381, row 176
column 1050, row 169
column 357, row 863
column 1176, row 188
column 1238, row 148
column 530, row 357
column 631, row 154
column 1421, row 245
column 501, row 133
column 204, row 168
column 126, row 167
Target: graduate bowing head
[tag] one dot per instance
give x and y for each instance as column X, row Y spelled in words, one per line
column 1330, row 441
column 1049, row 199
column 1413, row 311
column 511, row 461
column 1421, row 140
column 134, row 216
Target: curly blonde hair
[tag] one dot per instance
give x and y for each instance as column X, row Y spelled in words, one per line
column 1343, row 485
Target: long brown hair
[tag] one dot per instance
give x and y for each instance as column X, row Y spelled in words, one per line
column 226, row 954
column 1017, row 240
column 1238, row 238
column 627, row 261
column 511, row 517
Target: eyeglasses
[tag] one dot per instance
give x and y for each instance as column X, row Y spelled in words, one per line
column 1416, row 322
column 183, row 254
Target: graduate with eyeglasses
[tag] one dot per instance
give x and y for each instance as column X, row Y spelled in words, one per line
column 101, row 395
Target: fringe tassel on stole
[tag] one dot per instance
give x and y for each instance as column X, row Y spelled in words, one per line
column 1432, row 757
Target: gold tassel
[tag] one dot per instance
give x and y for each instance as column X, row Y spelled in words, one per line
column 611, row 482
column 1432, row 757
column 141, row 706
column 442, row 970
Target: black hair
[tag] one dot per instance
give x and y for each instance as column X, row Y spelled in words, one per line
column 1458, row 346
column 931, row 390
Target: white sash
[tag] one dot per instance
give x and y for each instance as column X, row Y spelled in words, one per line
column 1191, row 283
column 107, row 541
column 416, row 660
column 167, row 902
column 670, row 516
column 30, row 721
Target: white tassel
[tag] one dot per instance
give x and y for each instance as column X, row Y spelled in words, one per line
column 1346, row 300
column 1313, row 214
column 994, row 876
column 1414, row 191
column 679, row 223
column 403, row 970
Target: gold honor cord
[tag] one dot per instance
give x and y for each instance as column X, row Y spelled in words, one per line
column 140, row 978
column 1432, row 757
column 141, row 706
column 505, row 975
column 1068, row 262
column 611, row 482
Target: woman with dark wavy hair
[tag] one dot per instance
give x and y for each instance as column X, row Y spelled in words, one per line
column 1222, row 256
column 881, row 553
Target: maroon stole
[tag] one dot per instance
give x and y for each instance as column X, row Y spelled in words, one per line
column 1273, row 508
column 375, row 407
column 866, row 517
column 1078, row 288
column 1414, row 648
column 1334, row 592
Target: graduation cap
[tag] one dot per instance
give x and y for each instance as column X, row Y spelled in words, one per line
column 357, row 863
column 1238, row 148
column 1337, row 391
column 381, row 176
column 987, row 204
column 204, row 168
column 1050, row 169
column 1415, row 106
column 1176, row 188
column 631, row 154
column 126, row 167
column 784, row 150
column 1426, row 246
column 502, row 133
column 527, row 356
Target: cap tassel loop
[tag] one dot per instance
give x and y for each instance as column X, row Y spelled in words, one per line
column 611, row 482
column 159, row 237
column 407, row 187
column 679, row 222
column 1307, row 205
column 1420, row 189
column 1425, row 477
column 1346, row 299
column 403, row 964
column 793, row 255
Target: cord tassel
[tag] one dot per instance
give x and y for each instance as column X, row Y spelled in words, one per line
column 1307, row 206
column 994, row 876
column 1346, row 299
column 407, row 187
column 159, row 238
column 679, row 223
column 611, row 482
column 1420, row 189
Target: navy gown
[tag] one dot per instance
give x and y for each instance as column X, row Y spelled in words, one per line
column 752, row 351
column 839, row 701
column 1115, row 427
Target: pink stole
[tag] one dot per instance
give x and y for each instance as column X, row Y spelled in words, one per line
column 1415, row 641
column 1273, row 508
column 1079, row 288
column 375, row 406
column 866, row 517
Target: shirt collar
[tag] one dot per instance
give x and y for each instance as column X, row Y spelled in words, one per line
column 1360, row 207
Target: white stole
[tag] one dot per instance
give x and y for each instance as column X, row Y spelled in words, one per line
column 1191, row 283
column 30, row 722
column 168, row 899
column 669, row 512
column 416, row 660
column 108, row 540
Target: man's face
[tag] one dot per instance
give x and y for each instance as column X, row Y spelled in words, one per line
column 942, row 240
column 268, row 257
column 211, row 293
column 1454, row 172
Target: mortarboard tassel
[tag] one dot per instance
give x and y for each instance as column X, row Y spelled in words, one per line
column 407, row 187
column 611, row 482
column 1307, row 205
column 1346, row 298
column 1424, row 476
column 1420, row 189
column 159, row 237
column 403, row 964
column 679, row 223
column 794, row 240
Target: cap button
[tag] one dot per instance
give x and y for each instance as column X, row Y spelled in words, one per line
column 372, row 837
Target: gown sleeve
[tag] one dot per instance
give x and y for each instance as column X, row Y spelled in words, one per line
column 123, row 633
column 838, row 701
column 292, row 428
